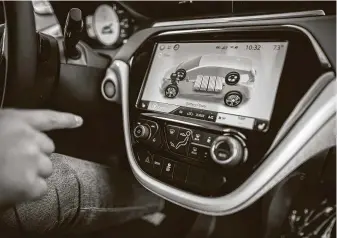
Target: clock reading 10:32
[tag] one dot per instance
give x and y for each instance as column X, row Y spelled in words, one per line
column 253, row 47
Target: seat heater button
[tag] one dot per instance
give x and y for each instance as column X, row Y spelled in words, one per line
column 197, row 136
column 168, row 167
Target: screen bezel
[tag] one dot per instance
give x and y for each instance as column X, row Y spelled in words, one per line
column 154, row 50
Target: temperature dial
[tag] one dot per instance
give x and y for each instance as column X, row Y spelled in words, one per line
column 142, row 132
column 227, row 151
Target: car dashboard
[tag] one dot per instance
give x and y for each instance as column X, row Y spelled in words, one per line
column 221, row 103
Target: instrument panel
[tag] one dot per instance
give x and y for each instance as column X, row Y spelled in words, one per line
column 109, row 25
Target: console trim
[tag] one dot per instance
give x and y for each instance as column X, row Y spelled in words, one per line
column 289, row 154
column 242, row 18
column 301, row 107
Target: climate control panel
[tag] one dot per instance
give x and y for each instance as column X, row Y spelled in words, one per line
column 188, row 157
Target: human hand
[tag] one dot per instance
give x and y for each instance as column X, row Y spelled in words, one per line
column 24, row 150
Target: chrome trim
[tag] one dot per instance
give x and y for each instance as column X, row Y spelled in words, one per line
column 131, row 61
column 243, row 143
column 4, row 53
column 302, row 105
column 230, row 130
column 236, row 149
column 242, row 18
column 313, row 132
column 319, row 52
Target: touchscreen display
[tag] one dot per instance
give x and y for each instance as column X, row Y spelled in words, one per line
column 229, row 83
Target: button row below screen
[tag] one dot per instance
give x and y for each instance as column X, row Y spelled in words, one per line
column 180, row 173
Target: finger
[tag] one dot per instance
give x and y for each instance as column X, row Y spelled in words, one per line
column 38, row 189
column 45, row 143
column 44, row 166
column 46, row 120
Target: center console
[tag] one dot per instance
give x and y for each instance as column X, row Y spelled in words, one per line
column 206, row 105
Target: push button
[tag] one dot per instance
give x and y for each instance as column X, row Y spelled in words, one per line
column 109, row 88
column 194, row 151
column 211, row 116
column 168, row 167
column 207, row 139
column 157, row 165
column 180, row 112
column 145, row 160
column 197, row 136
column 155, row 141
column 198, row 152
column 200, row 114
column 189, row 113
column 180, row 144
column 171, row 132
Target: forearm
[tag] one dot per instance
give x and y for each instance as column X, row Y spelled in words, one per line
column 83, row 196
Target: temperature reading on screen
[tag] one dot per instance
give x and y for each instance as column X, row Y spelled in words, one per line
column 253, row 47
column 278, row 47
column 221, row 47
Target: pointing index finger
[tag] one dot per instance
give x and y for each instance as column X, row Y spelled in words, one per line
column 45, row 120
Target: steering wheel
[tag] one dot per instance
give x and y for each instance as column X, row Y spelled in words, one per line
column 20, row 54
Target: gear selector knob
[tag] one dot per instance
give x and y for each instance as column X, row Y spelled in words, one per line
column 72, row 32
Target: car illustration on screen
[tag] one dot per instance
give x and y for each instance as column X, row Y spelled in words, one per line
column 211, row 77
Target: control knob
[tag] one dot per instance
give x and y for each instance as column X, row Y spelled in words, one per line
column 142, row 132
column 227, row 151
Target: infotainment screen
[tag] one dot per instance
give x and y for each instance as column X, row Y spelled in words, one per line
column 229, row 83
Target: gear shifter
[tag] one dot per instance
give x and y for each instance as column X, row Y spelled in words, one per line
column 72, row 33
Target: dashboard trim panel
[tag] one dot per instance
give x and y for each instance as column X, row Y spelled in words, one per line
column 320, row 54
column 238, row 19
